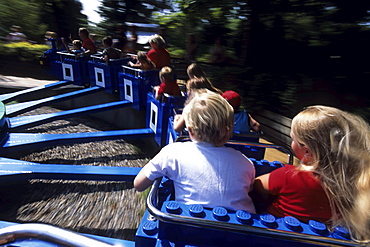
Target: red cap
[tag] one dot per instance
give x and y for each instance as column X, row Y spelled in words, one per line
column 233, row 98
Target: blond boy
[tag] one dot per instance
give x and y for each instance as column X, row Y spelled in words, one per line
column 204, row 171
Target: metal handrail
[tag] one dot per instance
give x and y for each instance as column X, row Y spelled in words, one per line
column 48, row 233
column 232, row 227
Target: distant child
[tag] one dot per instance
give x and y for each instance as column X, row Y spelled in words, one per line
column 77, row 47
column 193, row 85
column 143, row 62
column 87, row 43
column 204, row 171
column 109, row 52
column 243, row 120
column 168, row 84
column 332, row 183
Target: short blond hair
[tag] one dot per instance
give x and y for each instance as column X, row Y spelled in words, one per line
column 210, row 117
column 158, row 40
column 166, row 74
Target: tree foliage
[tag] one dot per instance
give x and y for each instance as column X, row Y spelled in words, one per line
column 120, row 11
column 37, row 16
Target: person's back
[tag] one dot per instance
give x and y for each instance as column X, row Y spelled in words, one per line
column 109, row 52
column 158, row 54
column 204, row 171
column 87, row 43
column 333, row 147
column 168, row 84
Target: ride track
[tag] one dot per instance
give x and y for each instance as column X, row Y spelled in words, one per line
column 165, row 222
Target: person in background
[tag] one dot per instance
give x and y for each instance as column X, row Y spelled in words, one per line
column 218, row 52
column 244, row 122
column 87, row 43
column 191, row 48
column 168, row 84
column 131, row 45
column 120, row 38
column 332, row 182
column 16, row 35
column 109, row 52
column 142, row 63
column 158, row 54
column 203, row 170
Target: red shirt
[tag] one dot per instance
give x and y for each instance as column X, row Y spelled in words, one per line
column 160, row 57
column 88, row 44
column 299, row 194
column 172, row 88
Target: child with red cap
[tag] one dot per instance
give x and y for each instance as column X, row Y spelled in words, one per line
column 243, row 121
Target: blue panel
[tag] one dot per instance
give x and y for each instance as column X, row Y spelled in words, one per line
column 253, row 223
column 129, row 90
column 147, row 232
column 158, row 115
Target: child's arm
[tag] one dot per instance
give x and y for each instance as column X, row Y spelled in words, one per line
column 178, row 123
column 254, row 124
column 141, row 182
column 261, row 184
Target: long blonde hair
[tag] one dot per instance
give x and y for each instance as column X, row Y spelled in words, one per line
column 340, row 145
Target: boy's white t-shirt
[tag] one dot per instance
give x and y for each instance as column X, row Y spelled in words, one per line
column 205, row 174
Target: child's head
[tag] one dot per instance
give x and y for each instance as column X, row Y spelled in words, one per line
column 195, row 71
column 166, row 74
column 157, row 41
column 199, row 83
column 77, row 44
column 209, row 118
column 107, row 41
column 233, row 98
column 141, row 56
column 339, row 143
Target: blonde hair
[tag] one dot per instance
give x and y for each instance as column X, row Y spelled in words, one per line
column 210, row 117
column 158, row 40
column 141, row 56
column 166, row 74
column 77, row 43
column 340, row 145
column 199, row 83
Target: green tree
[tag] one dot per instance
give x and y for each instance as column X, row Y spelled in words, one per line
column 120, row 11
column 62, row 16
column 21, row 13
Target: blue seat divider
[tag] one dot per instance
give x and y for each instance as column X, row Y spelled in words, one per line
column 134, row 84
column 106, row 75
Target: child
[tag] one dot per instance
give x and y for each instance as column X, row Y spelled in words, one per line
column 193, row 85
column 204, row 171
column 77, row 47
column 332, row 183
column 168, row 84
column 143, row 62
column 243, row 121
column 109, row 52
